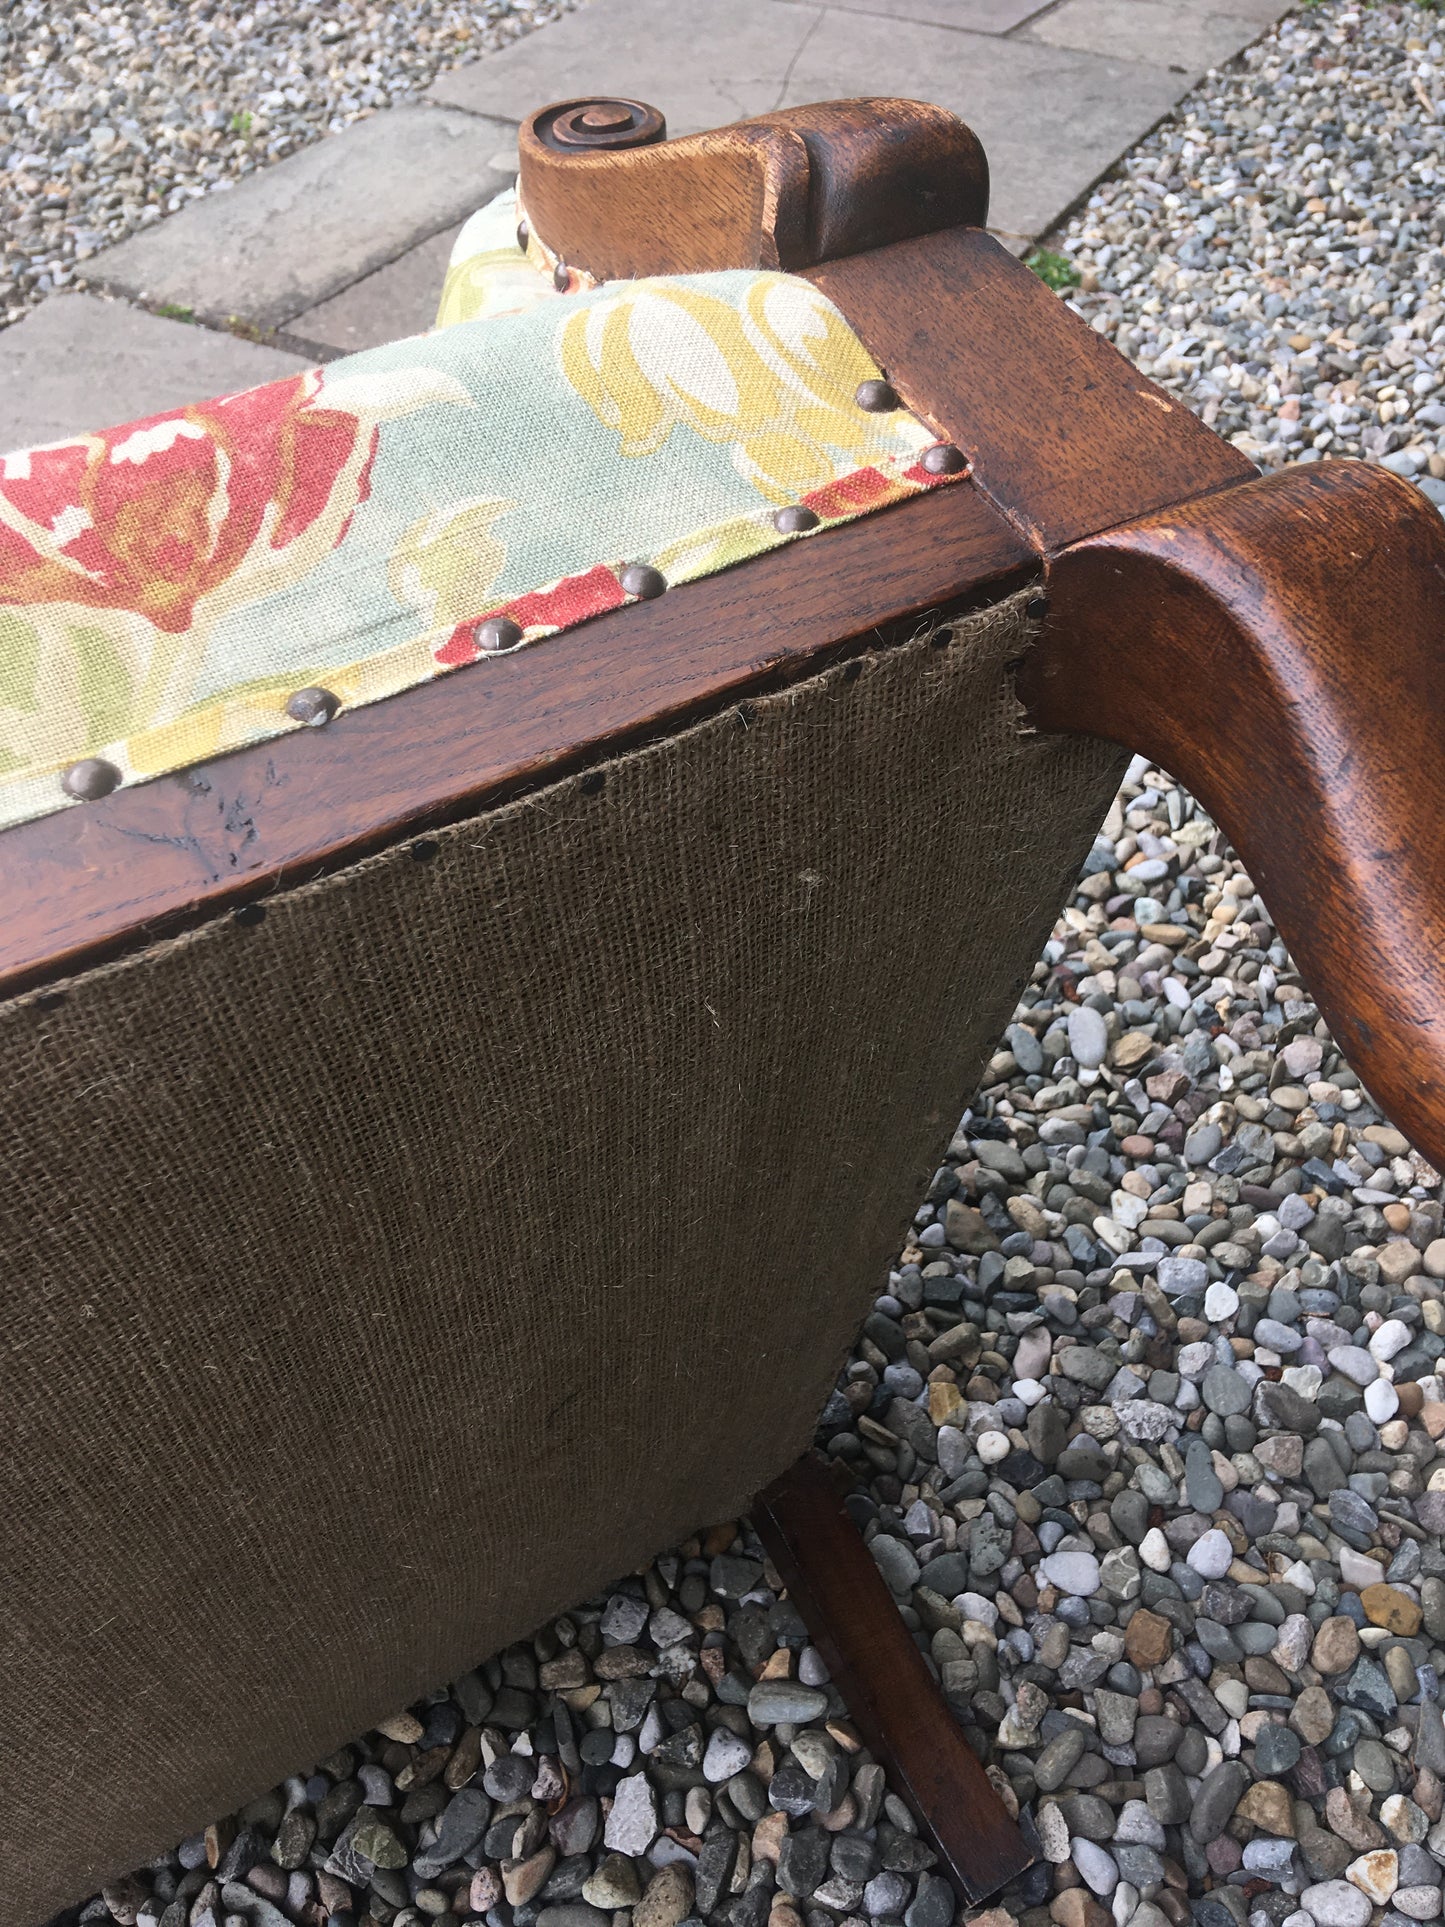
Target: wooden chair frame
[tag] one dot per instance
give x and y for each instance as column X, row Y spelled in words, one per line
column 1273, row 641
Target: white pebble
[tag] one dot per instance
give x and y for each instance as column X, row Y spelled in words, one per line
column 1335, row 1903
column 1211, row 1555
column 1154, row 1550
column 1221, row 1301
column 1072, row 1570
column 1393, row 1336
column 1356, row 1570
column 1382, row 1401
column 1292, row 1648
column 1418, row 1903
column 992, row 1447
column 1098, row 1869
column 1054, row 1834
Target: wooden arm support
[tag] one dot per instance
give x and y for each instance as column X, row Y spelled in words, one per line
column 1280, row 647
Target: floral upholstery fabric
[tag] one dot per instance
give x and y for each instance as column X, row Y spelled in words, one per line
column 166, row 585
column 491, row 273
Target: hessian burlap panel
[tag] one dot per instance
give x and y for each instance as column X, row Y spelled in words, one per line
column 387, row 1276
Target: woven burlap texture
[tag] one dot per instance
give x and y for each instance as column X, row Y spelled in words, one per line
column 389, row 1276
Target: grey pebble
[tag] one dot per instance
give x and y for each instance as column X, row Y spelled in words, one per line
column 773, row 1702
column 1088, row 1036
column 1224, row 1391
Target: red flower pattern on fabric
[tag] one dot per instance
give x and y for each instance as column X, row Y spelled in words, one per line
column 540, row 613
column 155, row 515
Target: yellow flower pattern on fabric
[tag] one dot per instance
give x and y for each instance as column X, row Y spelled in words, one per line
column 775, row 375
column 489, row 274
column 446, row 562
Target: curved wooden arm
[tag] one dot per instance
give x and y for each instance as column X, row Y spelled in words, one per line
column 1280, row 647
column 607, row 193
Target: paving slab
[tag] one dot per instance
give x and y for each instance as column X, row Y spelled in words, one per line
column 969, row 16
column 1051, row 119
column 79, row 361
column 399, row 299
column 1263, row 13
column 703, row 62
column 1179, row 38
column 284, row 240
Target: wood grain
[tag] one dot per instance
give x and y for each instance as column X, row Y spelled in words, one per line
column 1280, row 648
column 1063, row 433
column 780, row 191
column 90, row 881
column 832, row 1580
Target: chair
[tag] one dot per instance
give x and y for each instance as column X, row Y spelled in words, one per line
column 455, row 1121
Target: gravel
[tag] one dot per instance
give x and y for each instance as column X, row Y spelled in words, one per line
column 112, row 116
column 1273, row 253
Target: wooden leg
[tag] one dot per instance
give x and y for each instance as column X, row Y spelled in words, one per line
column 892, row 1696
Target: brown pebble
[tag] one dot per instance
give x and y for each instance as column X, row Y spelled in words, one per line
column 521, row 1879
column 268, row 1880
column 667, row 1899
column 1268, row 1805
column 1336, row 1646
column 337, row 1897
column 1263, row 1676
column 466, row 1758
column 843, row 1816
column 769, row 1835
column 994, row 1917
column 1076, row 1907
column 1148, row 1639
column 1387, row 1607
column 1411, row 1398
column 405, row 1728
column 1352, row 1823
column 1312, row 1716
